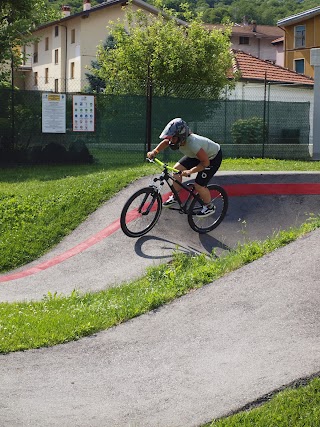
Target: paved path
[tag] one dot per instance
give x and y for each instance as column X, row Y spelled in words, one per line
column 198, row 358
column 92, row 257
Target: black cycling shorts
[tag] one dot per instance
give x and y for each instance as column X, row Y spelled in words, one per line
column 204, row 176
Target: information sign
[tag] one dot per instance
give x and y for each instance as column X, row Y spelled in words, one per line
column 83, row 113
column 53, row 113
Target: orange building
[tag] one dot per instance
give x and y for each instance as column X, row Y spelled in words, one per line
column 302, row 33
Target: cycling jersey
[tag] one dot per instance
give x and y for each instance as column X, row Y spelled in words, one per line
column 195, row 142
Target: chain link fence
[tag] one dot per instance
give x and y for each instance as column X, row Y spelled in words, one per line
column 271, row 122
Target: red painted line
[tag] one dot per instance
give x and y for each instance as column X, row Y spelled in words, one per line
column 234, row 190
column 64, row 256
column 272, row 189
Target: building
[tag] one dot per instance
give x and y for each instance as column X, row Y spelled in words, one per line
column 253, row 70
column 262, row 80
column 302, row 33
column 254, row 39
column 278, row 44
column 60, row 59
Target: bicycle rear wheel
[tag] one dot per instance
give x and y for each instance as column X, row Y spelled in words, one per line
column 219, row 198
column 141, row 212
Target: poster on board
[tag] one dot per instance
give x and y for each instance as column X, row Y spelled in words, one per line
column 83, row 113
column 53, row 113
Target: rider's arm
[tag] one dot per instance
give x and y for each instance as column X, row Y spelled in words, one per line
column 204, row 163
column 160, row 147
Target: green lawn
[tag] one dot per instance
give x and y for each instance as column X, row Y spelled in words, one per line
column 40, row 205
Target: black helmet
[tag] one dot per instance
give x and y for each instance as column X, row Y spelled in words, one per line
column 176, row 127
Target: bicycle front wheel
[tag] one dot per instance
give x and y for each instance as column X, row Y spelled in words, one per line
column 219, row 198
column 141, row 212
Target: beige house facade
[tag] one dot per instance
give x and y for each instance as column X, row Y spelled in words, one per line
column 60, row 59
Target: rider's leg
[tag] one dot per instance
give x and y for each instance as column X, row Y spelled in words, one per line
column 204, row 193
column 183, row 164
column 178, row 177
column 203, row 178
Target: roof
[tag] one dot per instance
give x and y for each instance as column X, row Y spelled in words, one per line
column 98, row 7
column 277, row 41
column 255, row 69
column 310, row 13
column 261, row 31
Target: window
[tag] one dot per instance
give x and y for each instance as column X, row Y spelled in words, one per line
column 56, row 85
column 24, row 55
column 73, row 36
column 56, row 56
column 35, row 52
column 72, row 70
column 46, row 43
column 243, row 40
column 35, row 76
column 299, row 36
column 56, row 31
column 299, row 66
column 46, row 75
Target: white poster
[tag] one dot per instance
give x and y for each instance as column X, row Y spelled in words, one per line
column 53, row 113
column 83, row 113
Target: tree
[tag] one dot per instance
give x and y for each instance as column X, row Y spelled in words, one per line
column 17, row 19
column 162, row 49
column 96, row 84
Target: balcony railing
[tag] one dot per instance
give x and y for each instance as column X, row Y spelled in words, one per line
column 26, row 65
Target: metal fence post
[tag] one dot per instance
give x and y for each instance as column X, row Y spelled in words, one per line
column 12, row 102
column 264, row 114
column 148, row 114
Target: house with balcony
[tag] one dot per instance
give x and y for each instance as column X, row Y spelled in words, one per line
column 60, row 59
column 301, row 34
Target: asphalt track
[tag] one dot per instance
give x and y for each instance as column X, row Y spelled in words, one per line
column 199, row 358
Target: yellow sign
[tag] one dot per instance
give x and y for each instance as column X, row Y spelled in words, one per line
column 54, row 98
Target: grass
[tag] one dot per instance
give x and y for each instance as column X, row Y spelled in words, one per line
column 58, row 319
column 269, row 165
column 294, row 407
column 40, row 206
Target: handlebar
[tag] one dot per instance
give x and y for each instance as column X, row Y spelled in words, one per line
column 160, row 163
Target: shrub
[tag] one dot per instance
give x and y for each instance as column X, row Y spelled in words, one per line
column 79, row 153
column 248, row 131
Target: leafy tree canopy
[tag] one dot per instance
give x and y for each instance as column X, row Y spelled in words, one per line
column 161, row 50
column 17, row 19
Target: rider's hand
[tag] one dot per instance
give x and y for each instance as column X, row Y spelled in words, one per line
column 186, row 173
column 151, row 154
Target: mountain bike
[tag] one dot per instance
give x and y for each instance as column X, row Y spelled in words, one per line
column 142, row 210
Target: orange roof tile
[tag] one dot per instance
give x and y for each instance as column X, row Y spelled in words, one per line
column 255, row 69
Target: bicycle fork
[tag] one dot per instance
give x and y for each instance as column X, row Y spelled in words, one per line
column 148, row 206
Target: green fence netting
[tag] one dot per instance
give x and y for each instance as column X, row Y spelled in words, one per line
column 244, row 128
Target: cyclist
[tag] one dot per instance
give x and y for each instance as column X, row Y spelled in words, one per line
column 201, row 155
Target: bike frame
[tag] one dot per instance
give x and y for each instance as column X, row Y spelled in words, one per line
column 166, row 176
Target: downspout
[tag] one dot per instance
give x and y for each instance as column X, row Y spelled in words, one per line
column 284, row 47
column 65, row 57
